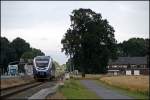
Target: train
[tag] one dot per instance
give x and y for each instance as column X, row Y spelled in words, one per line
column 44, row 67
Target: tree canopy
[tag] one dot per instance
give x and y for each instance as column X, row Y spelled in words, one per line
column 8, row 53
column 134, row 47
column 89, row 41
column 20, row 46
column 31, row 54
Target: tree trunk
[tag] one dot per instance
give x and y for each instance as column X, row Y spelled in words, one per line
column 83, row 74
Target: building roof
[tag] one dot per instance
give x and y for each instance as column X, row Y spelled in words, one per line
column 113, row 70
column 128, row 60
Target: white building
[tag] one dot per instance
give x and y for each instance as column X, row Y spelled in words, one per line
column 28, row 69
column 128, row 66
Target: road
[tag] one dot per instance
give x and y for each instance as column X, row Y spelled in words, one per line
column 102, row 91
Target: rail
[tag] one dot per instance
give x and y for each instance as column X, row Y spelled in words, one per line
column 16, row 89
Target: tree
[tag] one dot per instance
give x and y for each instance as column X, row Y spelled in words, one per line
column 31, row 54
column 8, row 53
column 147, row 46
column 11, row 51
column 4, row 48
column 133, row 47
column 20, row 46
column 69, row 65
column 37, row 52
column 64, row 67
column 89, row 41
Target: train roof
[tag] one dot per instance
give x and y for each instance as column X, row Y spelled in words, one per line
column 43, row 57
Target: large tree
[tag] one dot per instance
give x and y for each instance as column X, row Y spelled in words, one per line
column 89, row 41
column 20, row 46
column 8, row 53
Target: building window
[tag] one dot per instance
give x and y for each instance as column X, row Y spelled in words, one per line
column 115, row 66
column 124, row 66
column 142, row 66
column 133, row 66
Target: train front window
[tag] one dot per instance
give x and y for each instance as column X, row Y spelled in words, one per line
column 42, row 62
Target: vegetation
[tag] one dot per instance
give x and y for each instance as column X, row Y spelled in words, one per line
column 31, row 54
column 134, row 47
column 73, row 89
column 90, row 41
column 69, row 65
column 8, row 53
column 13, row 51
column 59, row 69
column 20, row 47
column 135, row 86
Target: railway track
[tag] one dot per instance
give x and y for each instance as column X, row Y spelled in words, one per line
column 6, row 92
column 25, row 91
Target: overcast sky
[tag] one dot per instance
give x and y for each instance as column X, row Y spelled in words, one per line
column 43, row 23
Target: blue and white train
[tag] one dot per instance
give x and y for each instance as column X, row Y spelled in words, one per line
column 44, row 68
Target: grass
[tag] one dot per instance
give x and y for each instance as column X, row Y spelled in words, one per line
column 134, row 86
column 73, row 89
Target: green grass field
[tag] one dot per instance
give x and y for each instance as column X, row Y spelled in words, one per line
column 73, row 89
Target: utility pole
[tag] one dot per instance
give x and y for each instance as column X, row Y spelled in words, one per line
column 70, row 63
column 70, row 66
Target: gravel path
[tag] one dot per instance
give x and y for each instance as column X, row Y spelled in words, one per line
column 103, row 92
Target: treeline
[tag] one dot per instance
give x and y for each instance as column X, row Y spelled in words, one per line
column 134, row 47
column 15, row 50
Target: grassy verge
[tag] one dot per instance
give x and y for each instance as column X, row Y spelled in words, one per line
column 134, row 94
column 73, row 89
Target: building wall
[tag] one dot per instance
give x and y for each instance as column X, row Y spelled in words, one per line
column 28, row 69
column 142, row 68
column 144, row 71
